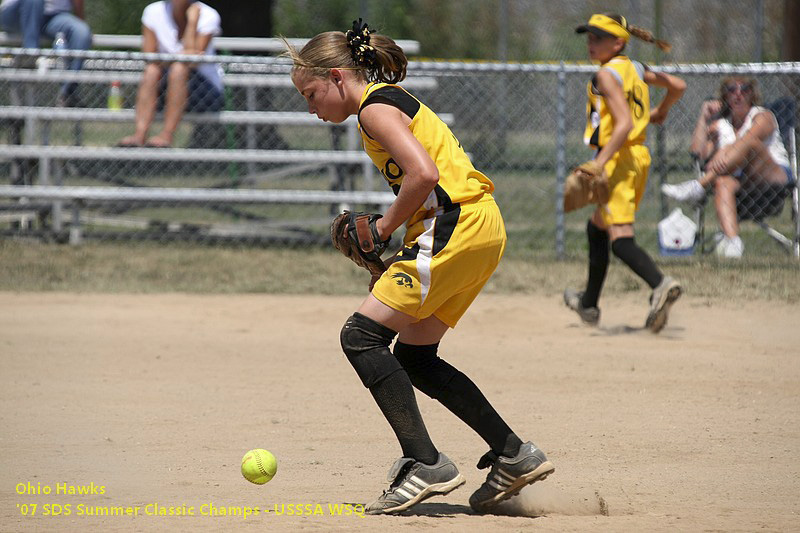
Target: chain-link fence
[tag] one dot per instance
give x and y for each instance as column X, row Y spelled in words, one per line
column 261, row 170
column 524, row 124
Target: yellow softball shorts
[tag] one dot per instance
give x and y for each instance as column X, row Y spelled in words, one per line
column 445, row 262
column 627, row 179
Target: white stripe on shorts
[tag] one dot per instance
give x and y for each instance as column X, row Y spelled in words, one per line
column 424, row 256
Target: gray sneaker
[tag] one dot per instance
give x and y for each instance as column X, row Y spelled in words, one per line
column 667, row 292
column 508, row 476
column 589, row 315
column 412, row 482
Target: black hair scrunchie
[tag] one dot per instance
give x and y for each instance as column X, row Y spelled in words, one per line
column 358, row 41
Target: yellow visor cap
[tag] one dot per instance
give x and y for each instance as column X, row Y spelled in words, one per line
column 605, row 26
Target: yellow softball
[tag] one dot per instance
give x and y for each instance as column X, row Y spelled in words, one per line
column 259, row 466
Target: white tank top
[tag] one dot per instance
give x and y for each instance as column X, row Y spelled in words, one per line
column 727, row 135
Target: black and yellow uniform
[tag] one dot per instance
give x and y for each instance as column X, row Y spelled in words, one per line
column 627, row 169
column 455, row 240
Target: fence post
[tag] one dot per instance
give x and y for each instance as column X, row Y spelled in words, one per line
column 75, row 231
column 661, row 165
column 661, row 130
column 250, row 96
column 48, row 167
column 561, row 157
column 758, row 53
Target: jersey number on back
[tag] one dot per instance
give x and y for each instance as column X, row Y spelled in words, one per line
column 635, row 101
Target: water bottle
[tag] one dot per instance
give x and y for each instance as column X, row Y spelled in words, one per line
column 60, row 43
column 115, row 96
column 42, row 64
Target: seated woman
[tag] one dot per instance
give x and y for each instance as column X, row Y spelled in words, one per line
column 744, row 154
column 175, row 27
column 37, row 18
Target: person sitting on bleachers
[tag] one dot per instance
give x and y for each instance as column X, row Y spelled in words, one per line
column 37, row 18
column 741, row 144
column 176, row 27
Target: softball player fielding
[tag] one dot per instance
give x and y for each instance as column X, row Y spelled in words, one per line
column 618, row 112
column 454, row 239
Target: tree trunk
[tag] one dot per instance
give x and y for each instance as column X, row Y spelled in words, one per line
column 791, row 31
column 244, row 18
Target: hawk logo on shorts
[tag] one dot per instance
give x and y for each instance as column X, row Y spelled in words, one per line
column 404, row 280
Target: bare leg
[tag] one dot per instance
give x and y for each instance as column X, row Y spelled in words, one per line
column 145, row 104
column 615, row 231
column 753, row 156
column 177, row 94
column 597, row 219
column 725, row 188
column 426, row 331
column 707, row 179
column 619, row 231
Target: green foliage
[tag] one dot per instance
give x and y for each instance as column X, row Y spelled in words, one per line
column 700, row 31
column 116, row 17
column 466, row 29
column 306, row 18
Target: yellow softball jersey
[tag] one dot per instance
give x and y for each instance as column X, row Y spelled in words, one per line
column 600, row 124
column 459, row 181
column 455, row 240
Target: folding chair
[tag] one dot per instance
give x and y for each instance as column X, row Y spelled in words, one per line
column 757, row 203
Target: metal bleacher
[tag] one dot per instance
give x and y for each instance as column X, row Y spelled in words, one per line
column 226, row 44
column 47, row 196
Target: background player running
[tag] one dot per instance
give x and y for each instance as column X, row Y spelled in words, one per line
column 618, row 112
column 454, row 240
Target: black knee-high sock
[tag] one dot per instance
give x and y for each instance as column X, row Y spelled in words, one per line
column 443, row 382
column 598, row 264
column 637, row 260
column 366, row 344
column 395, row 398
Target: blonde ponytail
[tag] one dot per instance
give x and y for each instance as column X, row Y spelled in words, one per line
column 374, row 57
column 640, row 33
column 644, row 35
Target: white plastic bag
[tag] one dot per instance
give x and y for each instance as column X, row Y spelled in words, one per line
column 676, row 234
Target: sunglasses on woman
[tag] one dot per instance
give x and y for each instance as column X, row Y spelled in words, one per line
column 742, row 87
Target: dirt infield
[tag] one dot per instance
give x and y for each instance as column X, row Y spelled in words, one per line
column 148, row 402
